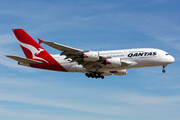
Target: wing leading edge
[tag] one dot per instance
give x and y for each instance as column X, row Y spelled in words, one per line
column 60, row 47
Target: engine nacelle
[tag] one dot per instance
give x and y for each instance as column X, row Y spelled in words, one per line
column 113, row 62
column 120, row 72
column 106, row 74
column 91, row 56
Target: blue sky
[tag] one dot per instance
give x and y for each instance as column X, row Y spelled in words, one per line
column 144, row 93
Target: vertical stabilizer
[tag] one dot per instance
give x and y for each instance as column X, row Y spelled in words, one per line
column 30, row 47
column 34, row 51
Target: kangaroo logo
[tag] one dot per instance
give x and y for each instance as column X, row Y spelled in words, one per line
column 39, row 50
column 33, row 50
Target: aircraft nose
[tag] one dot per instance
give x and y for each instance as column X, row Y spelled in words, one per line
column 171, row 59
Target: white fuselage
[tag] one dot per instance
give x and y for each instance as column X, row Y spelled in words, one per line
column 95, row 64
column 144, row 57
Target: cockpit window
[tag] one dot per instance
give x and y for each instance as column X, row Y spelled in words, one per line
column 167, row 54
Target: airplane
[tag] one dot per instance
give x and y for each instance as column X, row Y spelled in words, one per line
column 95, row 64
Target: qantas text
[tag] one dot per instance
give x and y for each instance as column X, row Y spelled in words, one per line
column 142, row 54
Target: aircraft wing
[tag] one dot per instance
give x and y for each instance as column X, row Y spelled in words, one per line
column 69, row 52
column 23, row 60
column 77, row 56
column 61, row 47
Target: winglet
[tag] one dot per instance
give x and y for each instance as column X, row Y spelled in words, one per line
column 40, row 41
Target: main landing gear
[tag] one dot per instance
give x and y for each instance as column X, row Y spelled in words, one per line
column 94, row 75
column 164, row 69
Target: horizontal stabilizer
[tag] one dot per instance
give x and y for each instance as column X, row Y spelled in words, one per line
column 23, row 60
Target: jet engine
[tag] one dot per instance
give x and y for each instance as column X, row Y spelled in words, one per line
column 91, row 56
column 106, row 74
column 112, row 62
column 120, row 72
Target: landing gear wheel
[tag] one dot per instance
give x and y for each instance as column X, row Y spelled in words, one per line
column 94, row 75
column 163, row 69
column 102, row 77
column 88, row 75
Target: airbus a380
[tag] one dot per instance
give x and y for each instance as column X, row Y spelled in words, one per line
column 95, row 64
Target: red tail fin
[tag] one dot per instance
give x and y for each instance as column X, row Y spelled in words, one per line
column 33, row 50
column 30, row 47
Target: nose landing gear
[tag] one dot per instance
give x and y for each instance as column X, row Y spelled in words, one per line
column 164, row 69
